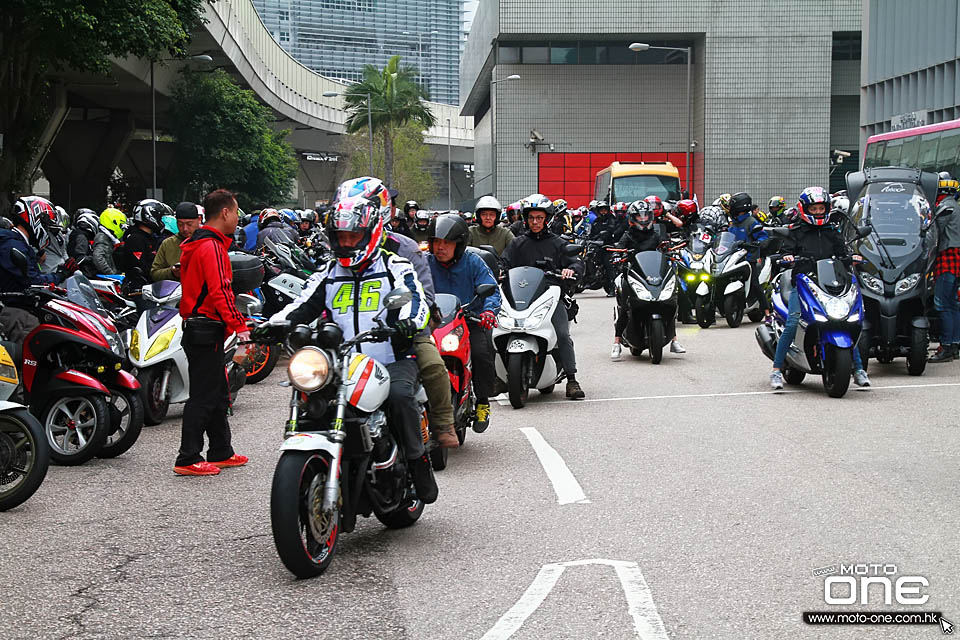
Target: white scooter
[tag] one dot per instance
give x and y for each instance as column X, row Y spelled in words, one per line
column 157, row 353
column 729, row 283
column 525, row 340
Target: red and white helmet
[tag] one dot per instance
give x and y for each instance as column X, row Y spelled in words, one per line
column 36, row 214
column 355, row 211
column 655, row 205
column 811, row 196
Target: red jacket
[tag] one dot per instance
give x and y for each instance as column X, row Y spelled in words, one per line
column 205, row 275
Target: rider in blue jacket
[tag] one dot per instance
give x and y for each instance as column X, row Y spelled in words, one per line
column 459, row 272
column 746, row 229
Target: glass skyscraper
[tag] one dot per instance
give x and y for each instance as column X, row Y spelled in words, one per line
column 336, row 38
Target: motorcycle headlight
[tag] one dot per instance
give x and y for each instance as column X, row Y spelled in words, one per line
column 309, row 369
column 535, row 318
column 161, row 343
column 640, row 290
column 907, row 283
column 451, row 341
column 135, row 345
column 837, row 308
column 506, row 321
column 668, row 289
column 872, row 283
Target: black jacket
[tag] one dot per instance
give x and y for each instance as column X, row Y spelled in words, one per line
column 80, row 244
column 528, row 249
column 606, row 228
column 636, row 239
column 809, row 243
column 136, row 257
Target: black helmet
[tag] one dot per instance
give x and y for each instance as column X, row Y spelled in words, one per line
column 87, row 219
column 450, row 227
column 740, row 203
column 150, row 212
column 946, row 184
column 411, row 204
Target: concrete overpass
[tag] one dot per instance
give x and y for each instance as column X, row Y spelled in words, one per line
column 103, row 122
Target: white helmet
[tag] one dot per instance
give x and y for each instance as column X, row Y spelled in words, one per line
column 488, row 202
column 841, row 204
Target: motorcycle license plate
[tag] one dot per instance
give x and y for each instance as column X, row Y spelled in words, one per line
column 705, row 237
column 516, row 345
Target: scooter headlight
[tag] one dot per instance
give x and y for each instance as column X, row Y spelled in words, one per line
column 135, row 345
column 837, row 308
column 668, row 290
column 535, row 318
column 873, row 283
column 161, row 343
column 640, row 290
column 506, row 321
column 907, row 283
column 309, row 369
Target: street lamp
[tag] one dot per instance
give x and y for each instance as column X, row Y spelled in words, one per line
column 334, row 94
column 449, row 171
column 153, row 110
column 493, row 139
column 420, row 35
column 638, row 47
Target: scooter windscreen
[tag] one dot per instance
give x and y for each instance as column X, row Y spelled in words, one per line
column 447, row 304
column 524, row 285
column 904, row 235
column 832, row 276
column 81, row 292
column 727, row 243
column 701, row 239
column 652, row 266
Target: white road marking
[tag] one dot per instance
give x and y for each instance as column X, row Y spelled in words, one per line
column 567, row 488
column 646, row 619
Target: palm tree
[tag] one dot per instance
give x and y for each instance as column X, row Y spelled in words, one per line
column 396, row 99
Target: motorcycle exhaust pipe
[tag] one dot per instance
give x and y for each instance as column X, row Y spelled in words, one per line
column 767, row 340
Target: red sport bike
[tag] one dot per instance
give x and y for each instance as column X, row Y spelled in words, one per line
column 452, row 337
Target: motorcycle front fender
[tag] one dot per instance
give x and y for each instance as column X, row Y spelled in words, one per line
column 733, row 287
column 703, row 289
column 126, row 381
column 311, row 442
column 72, row 377
column 6, row 405
column 839, row 339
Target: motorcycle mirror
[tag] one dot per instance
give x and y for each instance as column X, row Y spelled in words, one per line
column 485, row 290
column 487, row 247
column 19, row 260
column 864, row 231
column 249, row 305
column 397, row 298
column 572, row 249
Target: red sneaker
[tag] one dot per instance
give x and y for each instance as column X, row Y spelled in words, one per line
column 233, row 461
column 201, row 468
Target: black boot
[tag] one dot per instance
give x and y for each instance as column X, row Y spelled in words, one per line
column 574, row 392
column 423, row 480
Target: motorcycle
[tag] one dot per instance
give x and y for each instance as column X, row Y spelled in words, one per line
column 339, row 457
column 693, row 270
column 830, row 321
column 595, row 266
column 452, row 337
column 525, row 340
column 157, row 355
column 897, row 256
column 24, row 450
column 650, row 280
column 729, row 285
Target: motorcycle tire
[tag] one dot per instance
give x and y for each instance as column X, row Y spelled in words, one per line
column 236, row 377
column 793, row 376
column 24, row 452
column 656, row 340
column 517, row 386
column 403, row 516
column 126, row 423
column 261, row 362
column 733, row 311
column 917, row 357
column 755, row 315
column 298, row 485
column 438, row 458
column 547, row 390
column 93, row 415
column 837, row 371
column 154, row 407
column 705, row 316
column 863, row 344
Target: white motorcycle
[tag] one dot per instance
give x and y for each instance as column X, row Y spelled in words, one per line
column 24, row 448
column 157, row 354
column 729, row 283
column 525, row 340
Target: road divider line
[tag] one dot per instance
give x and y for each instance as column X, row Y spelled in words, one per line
column 646, row 619
column 565, row 485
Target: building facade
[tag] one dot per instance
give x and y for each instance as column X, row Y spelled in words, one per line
column 911, row 64
column 336, row 38
column 773, row 90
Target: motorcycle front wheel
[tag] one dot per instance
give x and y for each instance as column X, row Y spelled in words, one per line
column 837, row 371
column 656, row 340
column 733, row 311
column 261, row 361
column 917, row 356
column 156, row 404
column 76, row 428
column 305, row 536
column 705, row 317
column 517, row 386
column 24, row 457
column 126, row 423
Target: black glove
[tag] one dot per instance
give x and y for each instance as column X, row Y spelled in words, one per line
column 406, row 328
column 268, row 333
column 67, row 268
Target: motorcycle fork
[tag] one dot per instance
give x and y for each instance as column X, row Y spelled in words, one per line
column 164, row 383
column 331, row 489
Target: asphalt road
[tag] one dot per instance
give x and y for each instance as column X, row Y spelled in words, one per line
column 706, row 504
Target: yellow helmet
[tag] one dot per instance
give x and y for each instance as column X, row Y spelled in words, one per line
column 723, row 202
column 114, row 221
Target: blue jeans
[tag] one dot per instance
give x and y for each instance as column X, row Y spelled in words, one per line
column 946, row 303
column 790, row 332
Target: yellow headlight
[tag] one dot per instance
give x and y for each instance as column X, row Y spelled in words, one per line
column 8, row 371
column 161, row 343
column 135, row 344
column 309, row 369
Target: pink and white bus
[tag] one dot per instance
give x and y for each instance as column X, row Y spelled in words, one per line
column 932, row 147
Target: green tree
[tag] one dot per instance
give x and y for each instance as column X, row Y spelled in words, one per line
column 410, row 174
column 41, row 36
column 396, row 99
column 224, row 139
